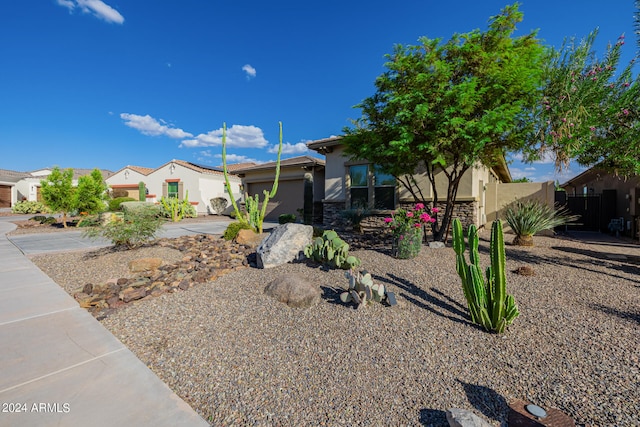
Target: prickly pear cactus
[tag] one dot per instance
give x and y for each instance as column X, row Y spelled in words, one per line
column 332, row 250
column 362, row 289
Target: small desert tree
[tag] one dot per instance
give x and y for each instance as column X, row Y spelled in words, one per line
column 58, row 193
column 91, row 193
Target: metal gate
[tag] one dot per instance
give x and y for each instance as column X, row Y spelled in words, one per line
column 588, row 207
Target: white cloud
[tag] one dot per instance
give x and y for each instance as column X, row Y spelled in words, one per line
column 67, row 3
column 249, row 70
column 237, row 136
column 96, row 7
column 287, row 148
column 147, row 125
column 236, row 158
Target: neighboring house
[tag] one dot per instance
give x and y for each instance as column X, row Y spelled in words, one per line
column 600, row 197
column 124, row 183
column 482, row 192
column 180, row 179
column 289, row 198
column 8, row 187
column 19, row 186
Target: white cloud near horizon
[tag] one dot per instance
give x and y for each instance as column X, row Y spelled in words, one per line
column 249, row 70
column 98, row 8
column 236, row 158
column 147, row 125
column 237, row 136
column 287, row 148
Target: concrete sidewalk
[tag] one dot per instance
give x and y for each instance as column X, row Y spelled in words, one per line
column 60, row 366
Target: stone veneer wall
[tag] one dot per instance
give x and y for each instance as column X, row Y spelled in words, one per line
column 331, row 214
column 467, row 211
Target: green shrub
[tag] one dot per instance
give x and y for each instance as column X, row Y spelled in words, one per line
column 529, row 217
column 43, row 219
column 90, row 221
column 114, row 204
column 49, row 220
column 285, row 218
column 127, row 206
column 135, row 227
column 234, row 228
column 29, row 207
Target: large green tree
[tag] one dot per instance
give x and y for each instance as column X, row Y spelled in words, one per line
column 449, row 106
column 57, row 192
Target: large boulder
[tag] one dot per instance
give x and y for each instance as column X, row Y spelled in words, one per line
column 285, row 244
column 293, row 290
column 218, row 205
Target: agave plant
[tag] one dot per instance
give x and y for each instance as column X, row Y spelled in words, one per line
column 529, row 217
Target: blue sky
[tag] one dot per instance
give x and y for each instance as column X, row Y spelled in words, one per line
column 90, row 83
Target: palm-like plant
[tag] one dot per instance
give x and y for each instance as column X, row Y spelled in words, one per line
column 529, row 217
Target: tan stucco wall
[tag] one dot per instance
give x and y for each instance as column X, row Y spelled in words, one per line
column 126, row 177
column 334, row 175
column 498, row 195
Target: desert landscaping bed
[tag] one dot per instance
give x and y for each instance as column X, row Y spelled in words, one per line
column 239, row 357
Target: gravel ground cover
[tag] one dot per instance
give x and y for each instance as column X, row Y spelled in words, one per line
column 240, row 358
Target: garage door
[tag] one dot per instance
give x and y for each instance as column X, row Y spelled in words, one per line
column 288, row 199
column 5, row 196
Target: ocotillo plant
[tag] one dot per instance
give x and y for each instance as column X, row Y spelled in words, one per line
column 254, row 215
column 489, row 304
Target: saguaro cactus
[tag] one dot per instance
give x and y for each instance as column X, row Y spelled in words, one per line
column 489, row 304
column 142, row 192
column 254, row 215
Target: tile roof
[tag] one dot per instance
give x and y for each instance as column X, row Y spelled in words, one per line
column 197, row 167
column 77, row 173
column 12, row 176
column 237, row 166
column 294, row 161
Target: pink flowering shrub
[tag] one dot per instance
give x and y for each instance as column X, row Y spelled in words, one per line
column 403, row 220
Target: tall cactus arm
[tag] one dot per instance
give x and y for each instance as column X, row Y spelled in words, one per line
column 239, row 217
column 263, row 211
column 497, row 254
column 274, row 188
column 458, row 237
column 474, row 256
column 458, row 247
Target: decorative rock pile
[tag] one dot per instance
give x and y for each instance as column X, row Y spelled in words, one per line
column 205, row 259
